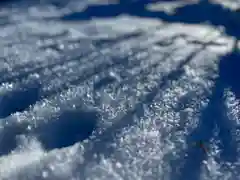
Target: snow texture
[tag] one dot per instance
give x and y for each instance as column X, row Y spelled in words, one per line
column 121, row 90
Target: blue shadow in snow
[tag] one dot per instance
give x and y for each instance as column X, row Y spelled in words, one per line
column 214, row 115
column 19, row 100
column 68, row 128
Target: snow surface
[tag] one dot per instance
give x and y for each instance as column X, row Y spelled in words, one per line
column 96, row 95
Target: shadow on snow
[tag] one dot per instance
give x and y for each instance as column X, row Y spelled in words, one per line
column 214, row 115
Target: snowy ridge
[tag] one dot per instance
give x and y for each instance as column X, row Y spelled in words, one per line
column 114, row 98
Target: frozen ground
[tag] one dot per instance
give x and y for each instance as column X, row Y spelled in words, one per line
column 99, row 91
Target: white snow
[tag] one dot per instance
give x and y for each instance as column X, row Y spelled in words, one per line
column 148, row 81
